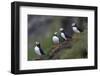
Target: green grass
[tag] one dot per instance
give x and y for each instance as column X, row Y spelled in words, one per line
column 46, row 44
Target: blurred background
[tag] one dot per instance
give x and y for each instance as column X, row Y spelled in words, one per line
column 41, row 28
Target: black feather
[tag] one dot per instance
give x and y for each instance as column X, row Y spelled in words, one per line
column 67, row 36
column 41, row 50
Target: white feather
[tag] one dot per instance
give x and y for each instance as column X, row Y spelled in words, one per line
column 75, row 30
column 55, row 40
column 37, row 51
column 63, row 36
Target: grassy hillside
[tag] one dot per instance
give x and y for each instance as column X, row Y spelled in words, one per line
column 78, row 49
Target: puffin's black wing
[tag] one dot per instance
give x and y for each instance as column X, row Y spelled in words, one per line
column 67, row 36
column 41, row 51
column 81, row 30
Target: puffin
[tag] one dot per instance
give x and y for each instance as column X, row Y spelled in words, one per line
column 63, row 34
column 55, row 39
column 38, row 50
column 75, row 28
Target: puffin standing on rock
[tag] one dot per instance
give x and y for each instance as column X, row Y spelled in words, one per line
column 38, row 50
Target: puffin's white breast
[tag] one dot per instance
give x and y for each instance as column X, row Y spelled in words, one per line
column 76, row 30
column 63, row 36
column 55, row 40
column 37, row 50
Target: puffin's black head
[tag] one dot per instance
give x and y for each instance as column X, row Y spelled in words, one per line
column 37, row 44
column 74, row 25
column 61, row 29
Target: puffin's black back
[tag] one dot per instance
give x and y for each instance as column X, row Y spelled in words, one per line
column 41, row 50
column 66, row 34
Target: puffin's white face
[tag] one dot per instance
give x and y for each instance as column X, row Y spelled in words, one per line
column 61, row 29
column 73, row 24
column 55, row 33
column 37, row 43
